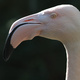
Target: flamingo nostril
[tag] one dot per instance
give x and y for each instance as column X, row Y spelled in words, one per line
column 28, row 20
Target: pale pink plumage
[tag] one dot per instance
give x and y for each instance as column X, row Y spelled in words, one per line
column 60, row 23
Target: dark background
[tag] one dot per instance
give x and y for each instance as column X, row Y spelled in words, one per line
column 38, row 59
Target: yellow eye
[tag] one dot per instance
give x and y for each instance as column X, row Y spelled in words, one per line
column 53, row 15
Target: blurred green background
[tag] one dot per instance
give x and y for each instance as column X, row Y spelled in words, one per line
column 38, row 59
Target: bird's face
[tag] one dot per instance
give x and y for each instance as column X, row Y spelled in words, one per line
column 53, row 23
column 60, row 22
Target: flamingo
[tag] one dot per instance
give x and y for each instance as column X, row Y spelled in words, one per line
column 60, row 23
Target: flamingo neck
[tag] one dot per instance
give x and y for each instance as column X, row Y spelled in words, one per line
column 73, row 61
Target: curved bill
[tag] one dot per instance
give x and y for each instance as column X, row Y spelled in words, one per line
column 8, row 48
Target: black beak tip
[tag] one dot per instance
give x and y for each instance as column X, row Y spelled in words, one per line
column 7, row 52
column 8, row 48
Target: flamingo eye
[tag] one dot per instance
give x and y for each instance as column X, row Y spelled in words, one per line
column 53, row 15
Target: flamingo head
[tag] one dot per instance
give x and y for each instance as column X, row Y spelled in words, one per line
column 54, row 23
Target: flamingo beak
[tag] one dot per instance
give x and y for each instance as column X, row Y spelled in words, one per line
column 23, row 29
